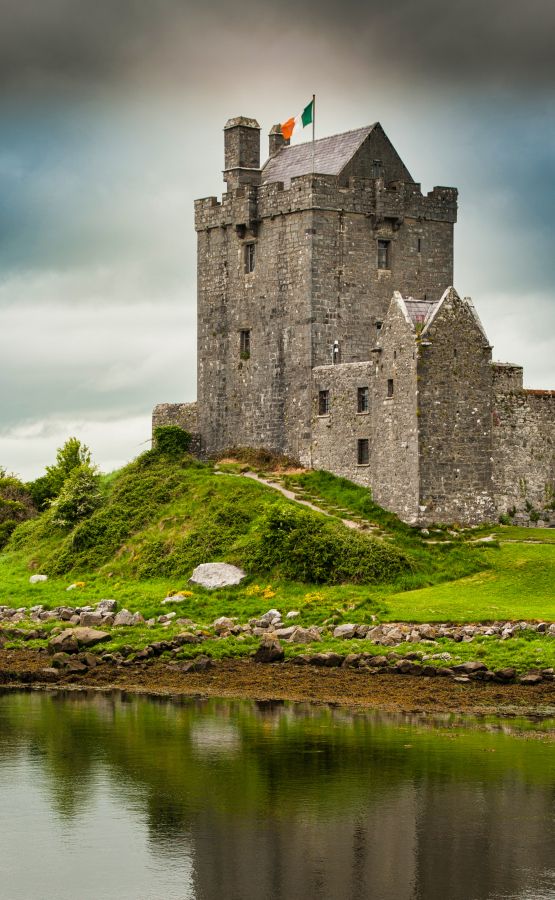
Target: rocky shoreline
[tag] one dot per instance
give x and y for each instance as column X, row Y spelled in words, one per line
column 78, row 630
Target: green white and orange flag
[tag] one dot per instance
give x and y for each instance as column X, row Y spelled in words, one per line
column 305, row 118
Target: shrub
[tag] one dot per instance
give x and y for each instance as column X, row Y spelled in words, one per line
column 71, row 456
column 302, row 546
column 78, row 498
column 16, row 505
column 171, row 440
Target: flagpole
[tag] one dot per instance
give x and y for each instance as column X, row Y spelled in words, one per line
column 313, row 127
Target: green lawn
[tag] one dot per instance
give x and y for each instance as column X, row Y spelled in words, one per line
column 519, row 585
column 513, row 533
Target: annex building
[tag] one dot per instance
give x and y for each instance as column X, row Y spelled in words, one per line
column 329, row 330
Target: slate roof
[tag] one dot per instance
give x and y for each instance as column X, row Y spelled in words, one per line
column 420, row 310
column 331, row 155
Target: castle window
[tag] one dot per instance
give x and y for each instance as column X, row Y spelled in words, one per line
column 323, row 403
column 419, row 245
column 363, row 452
column 362, row 400
column 245, row 344
column 250, row 256
column 384, row 254
column 390, row 387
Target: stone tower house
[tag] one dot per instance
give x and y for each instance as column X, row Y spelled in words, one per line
column 302, row 350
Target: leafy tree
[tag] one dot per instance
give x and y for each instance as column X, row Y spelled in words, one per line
column 68, row 458
column 16, row 504
column 79, row 497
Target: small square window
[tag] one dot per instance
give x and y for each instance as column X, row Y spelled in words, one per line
column 363, row 452
column 390, row 387
column 245, row 344
column 384, row 254
column 323, row 403
column 419, row 245
column 362, row 400
column 250, row 257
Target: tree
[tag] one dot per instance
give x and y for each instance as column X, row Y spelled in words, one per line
column 79, row 497
column 16, row 504
column 68, row 458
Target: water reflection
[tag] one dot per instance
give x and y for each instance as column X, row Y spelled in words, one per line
column 113, row 796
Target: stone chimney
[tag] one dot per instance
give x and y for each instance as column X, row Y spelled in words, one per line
column 242, row 152
column 276, row 140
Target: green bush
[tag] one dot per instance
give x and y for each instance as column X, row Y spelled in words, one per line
column 79, row 497
column 68, row 458
column 171, row 440
column 302, row 546
column 16, row 505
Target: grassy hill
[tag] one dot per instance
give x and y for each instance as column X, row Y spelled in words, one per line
column 160, row 516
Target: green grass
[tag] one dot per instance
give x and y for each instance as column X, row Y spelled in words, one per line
column 162, row 517
column 514, row 533
column 519, row 585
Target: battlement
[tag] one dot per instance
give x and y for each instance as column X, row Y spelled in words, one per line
column 368, row 197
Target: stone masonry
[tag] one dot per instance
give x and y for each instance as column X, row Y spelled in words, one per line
column 302, row 350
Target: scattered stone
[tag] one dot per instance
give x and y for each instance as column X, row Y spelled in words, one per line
column 124, row 617
column 305, row 635
column 217, row 575
column 269, row 651
column 531, row 678
column 345, row 631
column 50, row 674
column 469, row 667
column 59, row 660
column 91, row 619
column 65, row 642
column 198, row 664
column 222, row 625
column 506, row 674
column 292, row 614
column 106, row 606
column 36, row 579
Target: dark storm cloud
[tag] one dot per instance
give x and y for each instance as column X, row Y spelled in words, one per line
column 79, row 43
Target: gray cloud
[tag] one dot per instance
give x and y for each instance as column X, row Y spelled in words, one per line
column 76, row 44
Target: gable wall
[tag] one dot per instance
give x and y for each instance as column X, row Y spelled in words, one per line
column 454, row 418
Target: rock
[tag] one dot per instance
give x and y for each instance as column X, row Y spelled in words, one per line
column 60, row 660
column 408, row 667
column 75, row 667
column 470, row 667
column 186, row 637
column 36, row 579
column 328, row 660
column 270, row 618
column 124, row 617
column 292, row 614
column 106, row 606
column 462, row 679
column 305, row 635
column 89, row 660
column 285, row 633
column 49, row 674
column 91, row 618
column 506, row 674
column 531, row 678
column 198, row 664
column 270, row 651
column 65, row 642
column 429, row 671
column 345, row 631
column 351, row 661
column 217, row 575
column 375, row 661
column 222, row 624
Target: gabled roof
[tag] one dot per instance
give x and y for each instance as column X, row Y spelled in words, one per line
column 331, row 155
column 420, row 311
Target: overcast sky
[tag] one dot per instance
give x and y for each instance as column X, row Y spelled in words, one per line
column 111, row 125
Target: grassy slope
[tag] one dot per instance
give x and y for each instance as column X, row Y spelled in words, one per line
column 170, row 517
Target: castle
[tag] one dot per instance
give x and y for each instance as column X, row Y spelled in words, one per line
column 329, row 330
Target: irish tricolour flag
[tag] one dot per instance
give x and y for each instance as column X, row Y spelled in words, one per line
column 303, row 119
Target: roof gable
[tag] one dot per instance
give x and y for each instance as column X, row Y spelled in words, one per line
column 331, row 155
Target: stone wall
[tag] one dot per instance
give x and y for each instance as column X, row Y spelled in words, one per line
column 185, row 415
column 454, row 416
column 335, row 436
column 394, row 470
column 523, row 447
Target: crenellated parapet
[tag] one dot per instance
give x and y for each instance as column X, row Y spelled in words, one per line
column 248, row 204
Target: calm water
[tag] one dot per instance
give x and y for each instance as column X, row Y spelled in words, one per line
column 117, row 798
